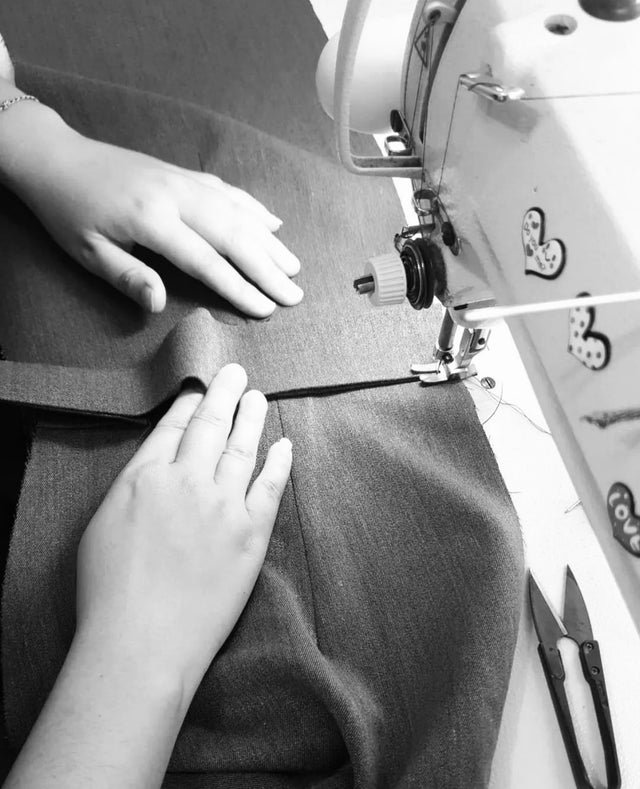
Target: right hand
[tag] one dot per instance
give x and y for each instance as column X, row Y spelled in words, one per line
column 169, row 560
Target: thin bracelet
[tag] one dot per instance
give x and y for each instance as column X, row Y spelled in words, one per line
column 4, row 105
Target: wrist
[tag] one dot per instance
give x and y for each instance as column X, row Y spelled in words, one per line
column 30, row 134
column 8, row 88
column 146, row 670
column 124, row 665
column 7, row 73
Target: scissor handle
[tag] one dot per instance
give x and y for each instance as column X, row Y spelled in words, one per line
column 554, row 672
column 593, row 673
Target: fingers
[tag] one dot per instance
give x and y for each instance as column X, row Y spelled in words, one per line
column 191, row 253
column 125, row 272
column 238, row 460
column 205, row 221
column 264, row 497
column 253, row 250
column 281, row 256
column 279, row 253
column 196, row 430
column 205, row 438
column 248, row 206
column 164, row 440
column 248, row 202
column 239, row 196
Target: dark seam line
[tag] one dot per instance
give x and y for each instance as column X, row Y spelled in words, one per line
column 142, row 418
column 302, row 537
column 325, row 391
column 142, row 438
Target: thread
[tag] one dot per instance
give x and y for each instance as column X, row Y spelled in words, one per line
column 501, row 401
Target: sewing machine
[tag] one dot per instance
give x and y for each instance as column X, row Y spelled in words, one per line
column 517, row 127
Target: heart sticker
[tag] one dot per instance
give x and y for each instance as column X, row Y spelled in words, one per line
column 545, row 259
column 625, row 522
column 589, row 347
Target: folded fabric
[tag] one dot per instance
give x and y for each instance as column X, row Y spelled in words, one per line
column 198, row 346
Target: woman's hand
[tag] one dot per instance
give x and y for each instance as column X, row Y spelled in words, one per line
column 165, row 568
column 98, row 200
column 169, row 560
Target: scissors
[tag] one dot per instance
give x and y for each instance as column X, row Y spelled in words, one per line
column 575, row 625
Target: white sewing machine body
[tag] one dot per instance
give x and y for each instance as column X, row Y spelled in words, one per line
column 520, row 125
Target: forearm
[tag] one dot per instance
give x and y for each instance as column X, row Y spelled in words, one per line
column 25, row 131
column 28, row 134
column 110, row 723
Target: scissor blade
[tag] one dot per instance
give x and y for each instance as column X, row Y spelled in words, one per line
column 548, row 628
column 576, row 616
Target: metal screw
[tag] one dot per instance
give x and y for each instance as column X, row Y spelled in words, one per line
column 588, row 646
column 595, row 670
column 488, row 382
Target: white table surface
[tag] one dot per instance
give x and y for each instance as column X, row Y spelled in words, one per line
column 556, row 532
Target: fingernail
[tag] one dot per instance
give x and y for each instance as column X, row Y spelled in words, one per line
column 149, row 298
column 295, row 265
column 267, row 309
column 296, row 293
column 289, row 288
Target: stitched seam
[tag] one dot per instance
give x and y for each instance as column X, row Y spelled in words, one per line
column 302, row 537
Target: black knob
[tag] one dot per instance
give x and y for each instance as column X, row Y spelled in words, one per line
column 422, row 263
column 612, row 10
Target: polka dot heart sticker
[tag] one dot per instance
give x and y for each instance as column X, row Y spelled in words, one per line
column 589, row 347
column 622, row 514
column 545, row 259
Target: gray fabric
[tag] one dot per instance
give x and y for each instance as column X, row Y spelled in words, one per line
column 376, row 638
column 376, row 648
column 255, row 60
column 198, row 346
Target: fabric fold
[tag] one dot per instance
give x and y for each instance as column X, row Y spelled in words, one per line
column 197, row 347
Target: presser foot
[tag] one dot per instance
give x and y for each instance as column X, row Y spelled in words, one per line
column 447, row 364
column 439, row 372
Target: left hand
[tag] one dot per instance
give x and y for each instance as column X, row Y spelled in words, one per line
column 169, row 559
column 98, row 200
column 164, row 569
